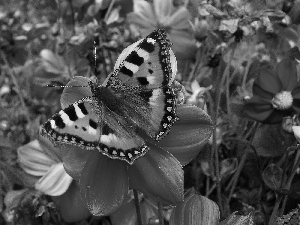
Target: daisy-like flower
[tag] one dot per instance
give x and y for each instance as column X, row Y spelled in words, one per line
column 175, row 20
column 276, row 94
column 39, row 159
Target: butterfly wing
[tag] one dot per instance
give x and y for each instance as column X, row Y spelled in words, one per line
column 144, row 78
column 147, row 66
column 88, row 125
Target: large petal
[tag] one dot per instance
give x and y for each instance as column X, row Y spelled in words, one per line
column 163, row 8
column 258, row 108
column 33, row 160
column 140, row 21
column 53, row 63
column 257, row 90
column 55, row 182
column 158, row 174
column 49, row 148
column 276, row 116
column 78, row 88
column 287, row 73
column 143, row 14
column 104, row 184
column 74, row 159
column 180, row 19
column 189, row 134
column 269, row 81
column 184, row 44
column 71, row 206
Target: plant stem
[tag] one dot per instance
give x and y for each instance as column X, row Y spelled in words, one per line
column 73, row 16
column 215, row 145
column 290, row 179
column 137, row 207
column 160, row 214
column 275, row 209
column 17, row 87
column 236, row 175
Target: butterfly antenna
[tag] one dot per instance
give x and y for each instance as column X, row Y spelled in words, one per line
column 96, row 45
column 58, row 84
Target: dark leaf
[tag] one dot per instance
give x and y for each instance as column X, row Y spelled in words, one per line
column 272, row 176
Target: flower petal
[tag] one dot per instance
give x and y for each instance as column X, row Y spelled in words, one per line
column 74, row 93
column 287, row 73
column 189, row 134
column 53, row 63
column 258, row 108
column 257, row 90
column 103, row 184
column 141, row 21
column 74, row 159
column 49, row 148
column 55, row 182
column 33, row 160
column 143, row 14
column 163, row 8
column 268, row 80
column 71, row 207
column 184, row 44
column 158, row 174
column 180, row 19
column 296, row 105
column 296, row 97
column 277, row 116
column 296, row 93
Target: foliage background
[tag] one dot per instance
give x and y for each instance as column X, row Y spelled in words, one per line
column 46, row 41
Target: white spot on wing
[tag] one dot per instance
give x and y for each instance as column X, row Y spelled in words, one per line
column 151, row 40
column 142, row 53
column 92, row 131
column 78, row 111
column 53, row 125
column 112, row 140
column 151, row 79
column 131, row 66
column 155, row 94
column 65, row 118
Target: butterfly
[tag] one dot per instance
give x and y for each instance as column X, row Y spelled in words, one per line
column 136, row 98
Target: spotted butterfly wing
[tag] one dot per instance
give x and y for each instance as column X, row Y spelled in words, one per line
column 111, row 117
column 90, row 124
column 146, row 75
column 147, row 65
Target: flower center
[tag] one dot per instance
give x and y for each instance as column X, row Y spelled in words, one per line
column 283, row 100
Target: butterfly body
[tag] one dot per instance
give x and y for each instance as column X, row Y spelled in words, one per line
column 137, row 98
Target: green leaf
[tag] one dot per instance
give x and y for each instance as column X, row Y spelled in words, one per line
column 238, row 220
column 272, row 141
column 272, row 176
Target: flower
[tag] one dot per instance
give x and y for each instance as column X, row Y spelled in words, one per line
column 40, row 161
column 296, row 131
column 175, row 20
column 275, row 94
column 105, row 182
